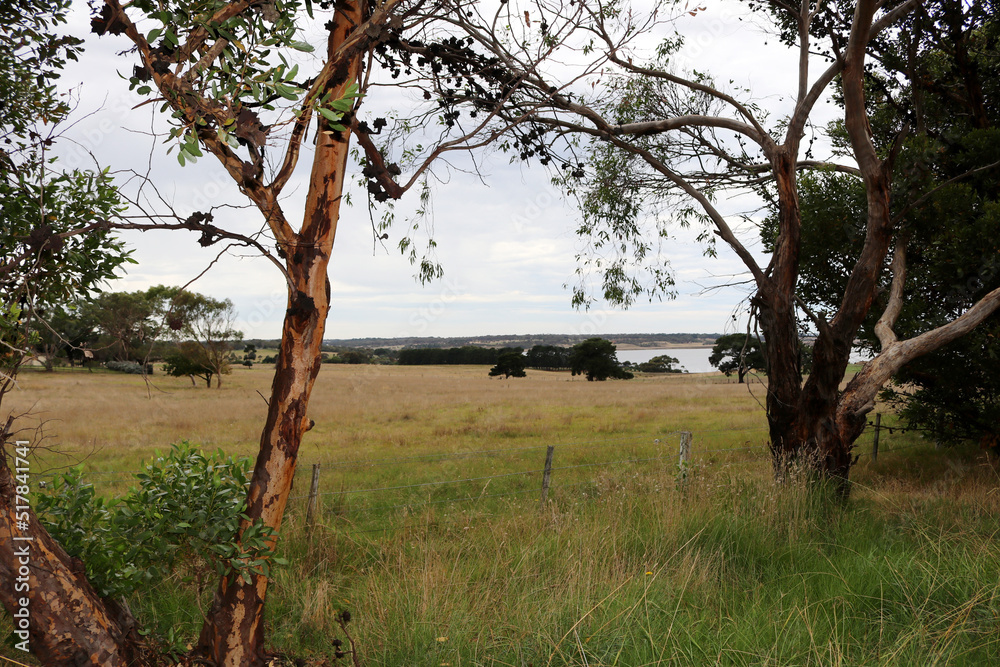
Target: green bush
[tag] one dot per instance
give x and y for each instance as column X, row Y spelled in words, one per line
column 130, row 367
column 182, row 516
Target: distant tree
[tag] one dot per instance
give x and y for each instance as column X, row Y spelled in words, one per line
column 189, row 359
column 208, row 323
column 596, row 358
column 355, row 356
column 249, row 355
column 61, row 331
column 548, row 357
column 738, row 353
column 510, row 363
column 661, row 364
column 128, row 322
column 465, row 355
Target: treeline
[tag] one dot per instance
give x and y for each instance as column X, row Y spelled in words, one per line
column 524, row 341
column 543, row 357
column 467, row 354
column 348, row 355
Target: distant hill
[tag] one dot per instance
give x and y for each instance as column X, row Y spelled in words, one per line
column 623, row 341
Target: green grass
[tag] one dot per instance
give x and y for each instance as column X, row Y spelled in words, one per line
column 622, row 566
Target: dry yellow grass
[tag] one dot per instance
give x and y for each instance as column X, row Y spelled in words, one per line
column 372, row 411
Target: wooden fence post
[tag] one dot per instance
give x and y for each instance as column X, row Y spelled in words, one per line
column 685, row 454
column 546, row 475
column 313, row 496
column 878, row 429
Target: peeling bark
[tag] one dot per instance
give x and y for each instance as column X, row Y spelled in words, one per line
column 68, row 623
column 233, row 634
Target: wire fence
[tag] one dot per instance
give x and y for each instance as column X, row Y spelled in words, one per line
column 378, row 494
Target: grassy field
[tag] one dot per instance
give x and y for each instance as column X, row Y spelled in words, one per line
column 621, row 567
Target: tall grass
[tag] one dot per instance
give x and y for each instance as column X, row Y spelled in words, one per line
column 621, row 567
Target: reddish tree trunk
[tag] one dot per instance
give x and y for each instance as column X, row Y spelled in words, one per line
column 809, row 424
column 233, row 634
column 63, row 620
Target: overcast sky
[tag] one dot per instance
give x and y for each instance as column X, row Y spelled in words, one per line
column 507, row 245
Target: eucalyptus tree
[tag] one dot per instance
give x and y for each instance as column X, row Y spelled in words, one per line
column 644, row 143
column 225, row 77
column 55, row 244
column 941, row 74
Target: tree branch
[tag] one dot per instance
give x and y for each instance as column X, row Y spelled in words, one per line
column 665, row 125
column 884, row 326
column 360, row 38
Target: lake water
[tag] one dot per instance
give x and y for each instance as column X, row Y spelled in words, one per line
column 693, row 360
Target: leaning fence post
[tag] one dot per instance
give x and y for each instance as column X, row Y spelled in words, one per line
column 313, row 496
column 878, row 429
column 685, row 454
column 547, row 474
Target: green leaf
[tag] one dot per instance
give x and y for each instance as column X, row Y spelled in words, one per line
column 304, row 47
column 287, row 92
column 344, row 105
column 330, row 115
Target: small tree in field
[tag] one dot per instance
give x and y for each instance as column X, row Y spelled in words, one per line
column 189, row 359
column 510, row 363
column 737, row 353
column 596, row 358
column 207, row 324
column 549, row 357
column 249, row 355
column 661, row 364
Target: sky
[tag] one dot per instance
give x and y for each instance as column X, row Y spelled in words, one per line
column 506, row 241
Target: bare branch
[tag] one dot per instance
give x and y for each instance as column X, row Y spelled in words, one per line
column 668, row 124
column 884, row 326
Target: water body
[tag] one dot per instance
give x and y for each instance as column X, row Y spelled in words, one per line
column 693, row 360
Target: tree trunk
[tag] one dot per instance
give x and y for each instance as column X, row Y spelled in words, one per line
column 55, row 612
column 809, row 424
column 233, row 634
column 776, row 313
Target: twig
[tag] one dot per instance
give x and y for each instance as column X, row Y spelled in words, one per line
column 342, row 619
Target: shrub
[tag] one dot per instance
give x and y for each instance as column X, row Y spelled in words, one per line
column 130, row 367
column 183, row 515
